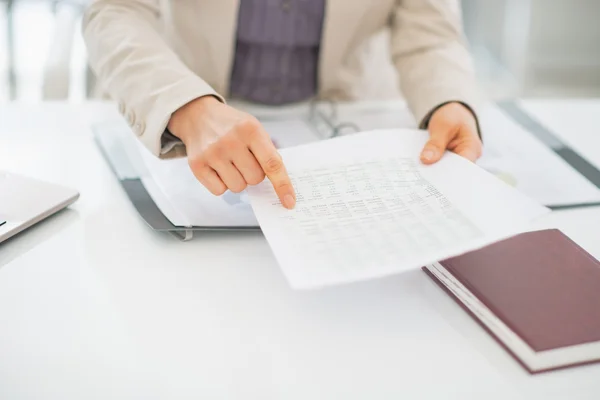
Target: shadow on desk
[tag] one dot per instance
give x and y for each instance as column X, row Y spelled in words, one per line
column 35, row 235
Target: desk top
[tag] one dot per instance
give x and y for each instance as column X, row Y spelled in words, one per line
column 93, row 304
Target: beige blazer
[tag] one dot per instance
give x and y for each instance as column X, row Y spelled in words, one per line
column 154, row 56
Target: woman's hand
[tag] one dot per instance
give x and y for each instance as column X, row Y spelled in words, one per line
column 229, row 149
column 452, row 127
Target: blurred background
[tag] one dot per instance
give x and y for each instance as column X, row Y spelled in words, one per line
column 527, row 48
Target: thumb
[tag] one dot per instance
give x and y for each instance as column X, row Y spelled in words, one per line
column 436, row 146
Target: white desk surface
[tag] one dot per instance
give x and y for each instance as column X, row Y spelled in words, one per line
column 94, row 305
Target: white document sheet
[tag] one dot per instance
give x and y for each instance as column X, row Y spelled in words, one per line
column 366, row 207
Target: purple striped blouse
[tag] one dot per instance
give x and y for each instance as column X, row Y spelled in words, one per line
column 277, row 50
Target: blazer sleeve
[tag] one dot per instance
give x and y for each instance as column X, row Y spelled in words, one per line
column 431, row 56
column 135, row 65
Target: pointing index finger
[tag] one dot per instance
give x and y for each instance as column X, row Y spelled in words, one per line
column 272, row 164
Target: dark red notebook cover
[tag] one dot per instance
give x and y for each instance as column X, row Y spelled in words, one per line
column 541, row 284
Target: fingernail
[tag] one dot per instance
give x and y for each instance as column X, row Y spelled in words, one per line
column 428, row 155
column 288, row 201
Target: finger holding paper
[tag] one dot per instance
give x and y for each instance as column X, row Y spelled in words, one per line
column 452, row 127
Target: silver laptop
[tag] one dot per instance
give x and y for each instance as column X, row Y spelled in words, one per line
column 26, row 201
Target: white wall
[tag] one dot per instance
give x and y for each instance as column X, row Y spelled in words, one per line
column 547, row 47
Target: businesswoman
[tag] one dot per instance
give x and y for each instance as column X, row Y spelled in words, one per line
column 171, row 65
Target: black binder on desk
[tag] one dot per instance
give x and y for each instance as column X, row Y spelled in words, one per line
column 561, row 149
column 114, row 140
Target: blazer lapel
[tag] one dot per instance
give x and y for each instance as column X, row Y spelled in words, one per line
column 339, row 27
column 219, row 27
